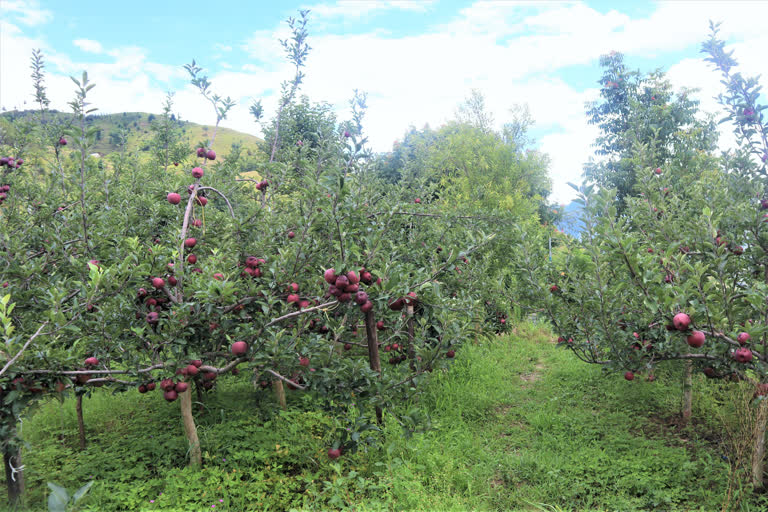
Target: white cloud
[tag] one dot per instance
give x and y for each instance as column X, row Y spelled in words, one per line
column 510, row 51
column 27, row 12
column 88, row 45
column 356, row 9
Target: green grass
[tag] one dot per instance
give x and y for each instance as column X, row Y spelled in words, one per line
column 517, row 424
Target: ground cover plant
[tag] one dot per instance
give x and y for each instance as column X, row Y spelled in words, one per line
column 551, row 433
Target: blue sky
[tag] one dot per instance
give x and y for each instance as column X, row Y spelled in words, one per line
column 417, row 60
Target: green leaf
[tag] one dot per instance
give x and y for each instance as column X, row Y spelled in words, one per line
column 81, row 492
column 58, row 499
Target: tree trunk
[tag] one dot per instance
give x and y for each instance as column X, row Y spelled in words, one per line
column 373, row 352
column 411, row 348
column 14, row 481
column 688, row 391
column 80, row 421
column 195, row 456
column 758, row 447
column 279, row 389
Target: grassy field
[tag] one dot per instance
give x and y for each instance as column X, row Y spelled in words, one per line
column 517, row 424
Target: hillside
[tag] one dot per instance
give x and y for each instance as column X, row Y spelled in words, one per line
column 138, row 125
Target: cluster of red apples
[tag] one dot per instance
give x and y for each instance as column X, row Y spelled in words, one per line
column 346, row 287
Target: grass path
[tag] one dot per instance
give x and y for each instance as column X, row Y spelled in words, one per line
column 520, row 424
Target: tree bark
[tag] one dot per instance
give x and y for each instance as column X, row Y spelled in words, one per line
column 688, row 391
column 411, row 338
column 373, row 352
column 279, row 389
column 14, row 481
column 80, row 421
column 758, row 447
column 190, row 429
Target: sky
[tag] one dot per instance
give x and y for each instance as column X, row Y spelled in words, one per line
column 416, row 60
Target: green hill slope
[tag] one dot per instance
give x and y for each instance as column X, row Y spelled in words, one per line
column 138, row 125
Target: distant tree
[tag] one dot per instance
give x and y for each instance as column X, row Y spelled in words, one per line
column 473, row 111
column 516, row 131
column 302, row 121
column 636, row 110
column 166, row 144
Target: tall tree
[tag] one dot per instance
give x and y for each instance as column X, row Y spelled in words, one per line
column 636, row 110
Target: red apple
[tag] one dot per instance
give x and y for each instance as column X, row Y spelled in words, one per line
column 417, row 201
column 696, row 339
column 293, row 298
column 681, row 321
column 629, row 375
column 197, row 172
column 91, row 361
column 352, row 277
column 202, row 201
column 658, row 171
column 192, row 370
column 174, row 198
column 380, row 325
column 239, row 348
column 294, row 287
column 397, row 304
column 304, row 361
column 334, row 453
column 210, row 155
column 191, row 259
column 181, row 387
column 361, row 297
column 742, row 355
column 366, row 307
column 291, row 234
column 450, row 354
column 330, row 276
column 158, row 282
column 342, row 282
column 201, row 152
column 190, row 243
column 743, row 338
column 173, row 281
column 170, row 395
column 218, row 276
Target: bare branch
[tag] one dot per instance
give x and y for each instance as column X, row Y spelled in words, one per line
column 18, row 354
